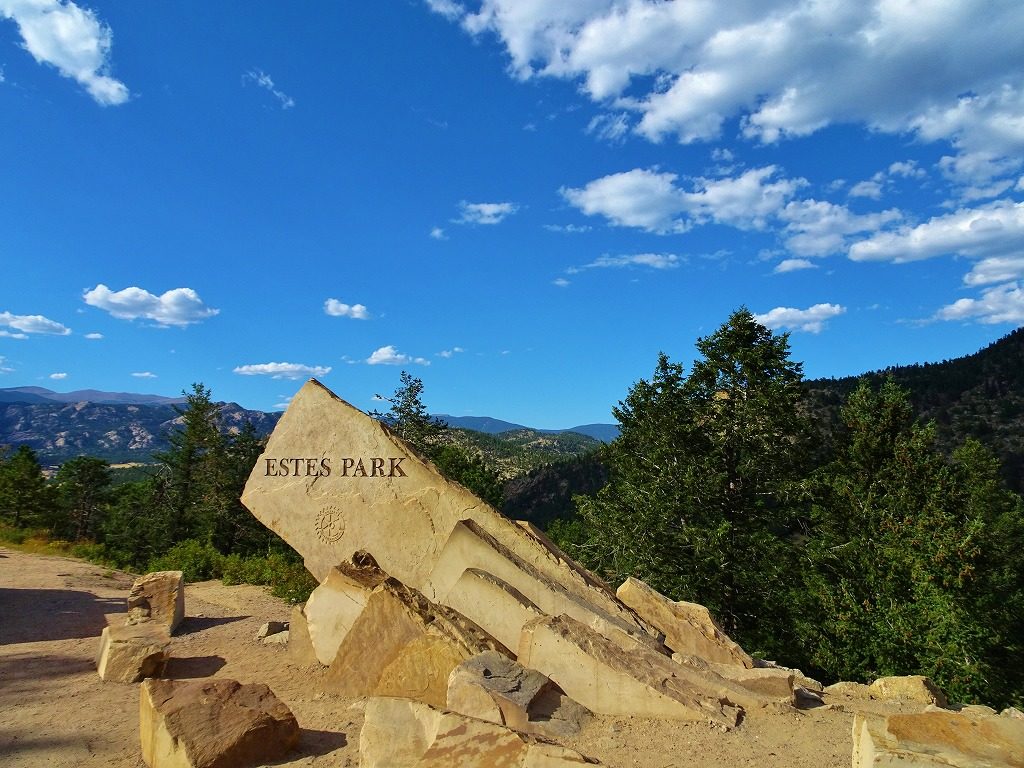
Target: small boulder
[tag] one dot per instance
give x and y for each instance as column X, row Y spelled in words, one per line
column 158, row 597
column 278, row 638
column 213, row 723
column 492, row 687
column 129, row 654
column 300, row 645
column 271, row 628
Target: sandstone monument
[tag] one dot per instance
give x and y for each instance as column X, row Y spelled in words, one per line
column 473, row 635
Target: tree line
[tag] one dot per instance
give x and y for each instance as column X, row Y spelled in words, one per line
column 882, row 555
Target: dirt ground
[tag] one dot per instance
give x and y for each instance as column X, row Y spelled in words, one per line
column 55, row 711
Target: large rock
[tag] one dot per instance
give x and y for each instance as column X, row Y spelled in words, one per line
column 610, row 680
column 492, row 687
column 399, row 733
column 128, row 654
column 969, row 739
column 158, row 597
column 689, row 628
column 334, row 481
column 404, row 645
column 213, row 724
column 334, row 606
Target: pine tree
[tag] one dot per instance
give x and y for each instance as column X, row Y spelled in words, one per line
column 25, row 497
column 82, row 486
column 699, row 502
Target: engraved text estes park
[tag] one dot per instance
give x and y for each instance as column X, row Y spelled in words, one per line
column 347, row 466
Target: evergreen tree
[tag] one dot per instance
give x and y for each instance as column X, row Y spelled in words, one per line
column 912, row 569
column 409, row 419
column 82, row 486
column 25, row 497
column 702, row 478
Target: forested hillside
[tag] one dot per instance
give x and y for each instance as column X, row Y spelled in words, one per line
column 979, row 396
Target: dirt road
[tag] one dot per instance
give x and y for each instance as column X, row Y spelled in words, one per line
column 56, row 712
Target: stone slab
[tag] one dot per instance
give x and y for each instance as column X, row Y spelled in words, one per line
column 400, row 733
column 158, row 597
column 334, row 606
column 689, row 628
column 300, row 646
column 214, row 723
column 404, row 645
column 131, row 653
column 967, row 739
column 609, row 680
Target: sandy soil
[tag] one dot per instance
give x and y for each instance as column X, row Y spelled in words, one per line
column 55, row 711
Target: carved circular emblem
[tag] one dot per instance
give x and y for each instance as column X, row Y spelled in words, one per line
column 330, row 525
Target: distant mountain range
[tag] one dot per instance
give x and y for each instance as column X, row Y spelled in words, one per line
column 979, row 395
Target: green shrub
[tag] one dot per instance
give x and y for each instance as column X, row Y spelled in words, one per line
column 286, row 578
column 197, row 560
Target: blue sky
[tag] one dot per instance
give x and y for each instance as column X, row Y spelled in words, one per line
column 520, row 202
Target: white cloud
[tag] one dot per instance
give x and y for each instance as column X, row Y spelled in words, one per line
column 561, row 282
column 31, row 324
column 335, row 308
column 611, row 128
column 1001, row 304
column 793, row 265
column 9, row 335
column 448, row 353
column 71, row 39
column 144, row 375
column 818, row 228
column 652, row 260
column 484, row 213
column 179, row 307
column 995, row 229
column 907, row 169
column 996, row 269
column 651, row 200
column 4, row 368
column 871, row 188
column 93, row 336
column 447, row 8
column 438, row 234
column 569, row 229
column 264, row 80
column 811, row 320
column 389, row 355
column 283, row 370
column 58, row 376
column 780, row 68
column 638, row 198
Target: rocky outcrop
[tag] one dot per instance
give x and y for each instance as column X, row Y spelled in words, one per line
column 213, row 724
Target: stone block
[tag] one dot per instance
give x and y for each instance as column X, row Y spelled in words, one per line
column 300, row 646
column 131, row 653
column 334, row 606
column 213, row 724
column 159, row 597
column 916, row 688
column 269, row 628
column 404, row 645
column 492, row 687
column 400, row 733
column 689, row 628
column 938, row 738
column 609, row 680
